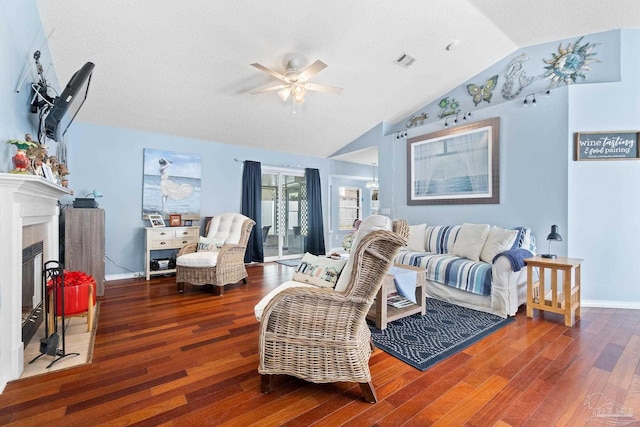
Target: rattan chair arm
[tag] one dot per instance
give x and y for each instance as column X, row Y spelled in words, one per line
column 187, row 249
column 313, row 312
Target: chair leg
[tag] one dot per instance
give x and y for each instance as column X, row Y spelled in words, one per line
column 368, row 393
column 244, row 280
column 266, row 383
column 218, row 290
column 180, row 287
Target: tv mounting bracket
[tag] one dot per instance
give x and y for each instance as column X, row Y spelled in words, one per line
column 40, row 97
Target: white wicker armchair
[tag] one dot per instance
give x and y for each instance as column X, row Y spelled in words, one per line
column 321, row 335
column 220, row 267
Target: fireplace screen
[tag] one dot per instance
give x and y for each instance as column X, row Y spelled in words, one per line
column 32, row 310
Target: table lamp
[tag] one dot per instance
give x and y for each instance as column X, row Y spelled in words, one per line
column 553, row 235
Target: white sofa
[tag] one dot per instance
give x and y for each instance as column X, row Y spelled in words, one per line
column 463, row 266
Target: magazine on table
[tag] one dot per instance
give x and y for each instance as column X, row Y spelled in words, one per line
column 398, row 301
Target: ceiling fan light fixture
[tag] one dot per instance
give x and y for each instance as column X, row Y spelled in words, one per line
column 284, row 93
column 298, row 93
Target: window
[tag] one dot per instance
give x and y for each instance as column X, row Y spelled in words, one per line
column 350, row 207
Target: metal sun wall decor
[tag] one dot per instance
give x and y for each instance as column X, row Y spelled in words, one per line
column 570, row 63
column 483, row 92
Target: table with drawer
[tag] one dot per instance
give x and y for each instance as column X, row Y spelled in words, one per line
column 162, row 238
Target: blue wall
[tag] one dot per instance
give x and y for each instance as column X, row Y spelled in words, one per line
column 111, row 160
column 21, row 34
column 604, row 196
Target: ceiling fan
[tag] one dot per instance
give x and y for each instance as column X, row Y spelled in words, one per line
column 295, row 82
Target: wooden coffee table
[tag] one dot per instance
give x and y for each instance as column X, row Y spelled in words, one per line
column 382, row 313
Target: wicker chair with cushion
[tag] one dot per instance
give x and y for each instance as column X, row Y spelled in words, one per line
column 218, row 258
column 320, row 334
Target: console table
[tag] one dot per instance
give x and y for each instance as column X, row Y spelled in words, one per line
column 161, row 238
column 564, row 299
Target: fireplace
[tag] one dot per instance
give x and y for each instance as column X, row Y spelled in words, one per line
column 32, row 309
column 28, row 215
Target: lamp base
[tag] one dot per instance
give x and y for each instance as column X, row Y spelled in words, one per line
column 550, row 256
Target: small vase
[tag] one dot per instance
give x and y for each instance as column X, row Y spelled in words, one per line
column 20, row 161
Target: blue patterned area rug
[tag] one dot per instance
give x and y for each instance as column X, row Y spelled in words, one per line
column 423, row 341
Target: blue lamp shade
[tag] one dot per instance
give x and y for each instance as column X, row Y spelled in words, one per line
column 552, row 236
column 95, row 193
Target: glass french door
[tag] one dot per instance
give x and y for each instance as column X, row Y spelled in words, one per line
column 283, row 213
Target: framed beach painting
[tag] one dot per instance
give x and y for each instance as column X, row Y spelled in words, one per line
column 171, row 184
column 455, row 166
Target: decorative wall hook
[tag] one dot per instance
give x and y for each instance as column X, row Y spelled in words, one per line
column 530, row 100
column 402, row 134
column 454, row 120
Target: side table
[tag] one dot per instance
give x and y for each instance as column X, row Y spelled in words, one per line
column 565, row 299
column 382, row 313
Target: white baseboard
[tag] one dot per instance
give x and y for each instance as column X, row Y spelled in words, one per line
column 629, row 305
column 122, row 276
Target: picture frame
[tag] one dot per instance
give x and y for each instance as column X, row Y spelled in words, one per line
column 156, row 220
column 175, row 220
column 455, row 166
column 611, row 145
column 188, row 223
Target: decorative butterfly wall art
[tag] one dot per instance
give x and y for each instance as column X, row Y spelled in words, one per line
column 483, row 93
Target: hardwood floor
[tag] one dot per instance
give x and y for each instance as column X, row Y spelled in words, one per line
column 163, row 358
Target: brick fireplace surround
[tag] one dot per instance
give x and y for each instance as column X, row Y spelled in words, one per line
column 28, row 213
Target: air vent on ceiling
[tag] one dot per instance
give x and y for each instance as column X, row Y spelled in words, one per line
column 405, row 60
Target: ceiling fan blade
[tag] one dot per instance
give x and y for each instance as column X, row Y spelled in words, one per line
column 312, row 70
column 323, row 88
column 268, row 89
column 271, row 72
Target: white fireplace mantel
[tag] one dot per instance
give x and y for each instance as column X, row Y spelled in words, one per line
column 25, row 200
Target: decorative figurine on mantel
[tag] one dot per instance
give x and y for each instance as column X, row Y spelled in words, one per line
column 20, row 160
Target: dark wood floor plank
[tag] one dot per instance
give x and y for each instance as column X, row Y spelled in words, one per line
column 166, row 359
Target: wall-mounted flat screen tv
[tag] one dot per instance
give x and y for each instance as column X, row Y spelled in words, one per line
column 66, row 106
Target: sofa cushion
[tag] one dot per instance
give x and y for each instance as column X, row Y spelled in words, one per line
column 369, row 224
column 440, row 238
column 470, row 241
column 416, row 241
column 498, row 240
column 259, row 308
column 209, row 244
column 450, row 270
column 227, row 226
column 319, row 271
column 525, row 239
column 198, row 259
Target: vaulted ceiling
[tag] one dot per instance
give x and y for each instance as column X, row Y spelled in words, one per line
column 183, row 68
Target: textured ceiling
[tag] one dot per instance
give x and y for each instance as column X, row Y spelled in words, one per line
column 182, row 68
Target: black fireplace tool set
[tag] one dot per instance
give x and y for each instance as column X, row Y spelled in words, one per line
column 53, row 273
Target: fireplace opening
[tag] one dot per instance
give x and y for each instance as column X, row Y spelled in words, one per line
column 32, row 308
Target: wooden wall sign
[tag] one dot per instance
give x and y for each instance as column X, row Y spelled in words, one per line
column 614, row 145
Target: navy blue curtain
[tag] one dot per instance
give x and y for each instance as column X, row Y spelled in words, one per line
column 314, row 243
column 252, row 207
